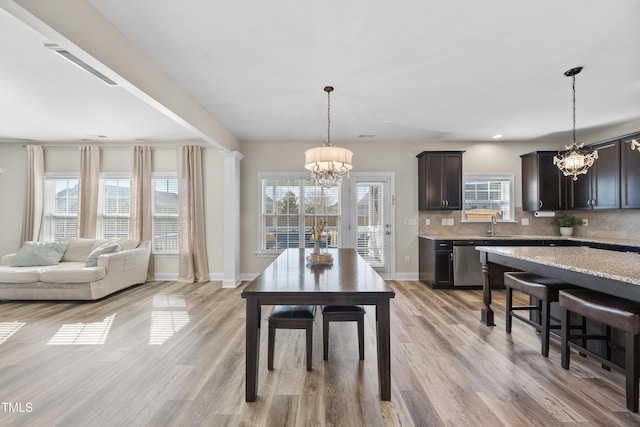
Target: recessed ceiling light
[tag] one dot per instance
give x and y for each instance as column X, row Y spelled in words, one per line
column 498, row 136
column 363, row 135
column 386, row 121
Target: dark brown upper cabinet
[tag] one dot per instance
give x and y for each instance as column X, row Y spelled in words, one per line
column 544, row 187
column 440, row 180
column 629, row 174
column 599, row 188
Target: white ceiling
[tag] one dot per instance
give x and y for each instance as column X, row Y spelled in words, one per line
column 460, row 70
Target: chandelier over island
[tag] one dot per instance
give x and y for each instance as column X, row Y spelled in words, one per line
column 577, row 159
column 328, row 164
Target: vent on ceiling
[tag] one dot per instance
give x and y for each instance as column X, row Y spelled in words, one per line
column 80, row 63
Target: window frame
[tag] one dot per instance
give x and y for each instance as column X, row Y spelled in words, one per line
column 157, row 176
column 103, row 177
column 490, row 177
column 46, row 231
column 301, row 177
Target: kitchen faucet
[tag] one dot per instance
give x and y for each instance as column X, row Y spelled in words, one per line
column 493, row 222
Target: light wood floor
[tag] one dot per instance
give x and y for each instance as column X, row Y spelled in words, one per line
column 171, row 354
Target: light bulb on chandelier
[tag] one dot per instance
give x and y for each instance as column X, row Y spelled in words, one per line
column 328, row 164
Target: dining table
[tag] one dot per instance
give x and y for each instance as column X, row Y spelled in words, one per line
column 291, row 280
column 610, row 272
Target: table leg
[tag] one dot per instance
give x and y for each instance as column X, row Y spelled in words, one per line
column 486, row 314
column 252, row 348
column 383, row 330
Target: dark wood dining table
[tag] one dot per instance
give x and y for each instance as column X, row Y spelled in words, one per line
column 288, row 280
column 609, row 272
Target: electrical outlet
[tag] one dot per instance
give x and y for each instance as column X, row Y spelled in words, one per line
column 524, row 221
column 449, row 221
column 585, row 222
column 427, row 221
column 407, row 259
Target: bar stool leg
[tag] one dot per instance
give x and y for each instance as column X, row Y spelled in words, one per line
column 545, row 321
column 632, row 369
column 361, row 337
column 325, row 337
column 270, row 344
column 565, row 319
column 309, row 333
column 509, row 307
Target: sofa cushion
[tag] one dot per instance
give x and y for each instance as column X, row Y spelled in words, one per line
column 78, row 250
column 105, row 248
column 73, row 272
column 22, row 274
column 126, row 244
column 39, row 253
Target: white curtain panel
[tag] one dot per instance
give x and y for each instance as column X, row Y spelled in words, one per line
column 140, row 214
column 193, row 264
column 88, row 190
column 34, row 194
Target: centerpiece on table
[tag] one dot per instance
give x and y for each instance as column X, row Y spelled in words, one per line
column 317, row 258
column 566, row 224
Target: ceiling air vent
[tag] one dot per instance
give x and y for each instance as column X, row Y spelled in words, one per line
column 80, row 63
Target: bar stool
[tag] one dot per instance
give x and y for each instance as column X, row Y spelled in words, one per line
column 291, row 317
column 342, row 313
column 545, row 290
column 614, row 312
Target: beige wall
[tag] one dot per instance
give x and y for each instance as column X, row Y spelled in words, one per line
column 112, row 159
column 12, row 160
column 399, row 158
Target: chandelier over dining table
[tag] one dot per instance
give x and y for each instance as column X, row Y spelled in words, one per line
column 328, row 164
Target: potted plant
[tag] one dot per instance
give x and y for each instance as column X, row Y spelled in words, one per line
column 566, row 223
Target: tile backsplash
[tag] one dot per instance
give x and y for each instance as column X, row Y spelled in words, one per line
column 611, row 224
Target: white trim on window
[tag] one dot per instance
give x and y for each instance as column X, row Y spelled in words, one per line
column 299, row 221
column 59, row 221
column 113, row 215
column 165, row 224
column 484, row 194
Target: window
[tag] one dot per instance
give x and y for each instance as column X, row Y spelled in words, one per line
column 486, row 195
column 60, row 207
column 165, row 214
column 113, row 207
column 290, row 207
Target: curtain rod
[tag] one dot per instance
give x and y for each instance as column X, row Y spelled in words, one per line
column 126, row 145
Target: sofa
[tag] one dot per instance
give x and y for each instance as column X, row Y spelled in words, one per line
column 74, row 277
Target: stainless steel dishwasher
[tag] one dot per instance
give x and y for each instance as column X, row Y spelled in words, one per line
column 467, row 270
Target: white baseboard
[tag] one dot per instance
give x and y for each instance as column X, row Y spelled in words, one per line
column 174, row 276
column 407, row 276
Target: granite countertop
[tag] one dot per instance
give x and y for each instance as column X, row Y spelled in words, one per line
column 623, row 242
column 622, row 266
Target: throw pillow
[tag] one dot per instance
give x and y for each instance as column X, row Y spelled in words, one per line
column 39, row 253
column 105, row 248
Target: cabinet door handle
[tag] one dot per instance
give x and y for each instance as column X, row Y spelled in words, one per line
column 540, row 203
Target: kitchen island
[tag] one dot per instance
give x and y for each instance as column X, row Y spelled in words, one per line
column 610, row 272
column 451, row 261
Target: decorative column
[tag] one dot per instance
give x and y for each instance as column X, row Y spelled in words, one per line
column 231, row 219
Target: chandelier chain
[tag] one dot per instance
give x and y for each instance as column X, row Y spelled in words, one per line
column 573, row 88
column 328, row 118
